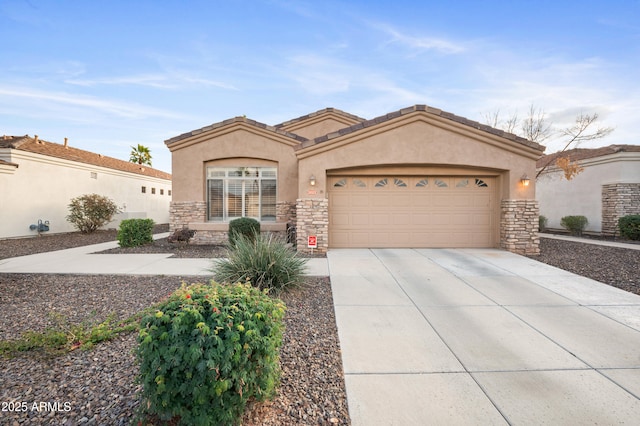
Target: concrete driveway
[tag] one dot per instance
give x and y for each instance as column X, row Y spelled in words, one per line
column 482, row 336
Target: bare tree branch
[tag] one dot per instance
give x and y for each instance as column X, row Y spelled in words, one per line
column 535, row 126
column 492, row 119
column 578, row 133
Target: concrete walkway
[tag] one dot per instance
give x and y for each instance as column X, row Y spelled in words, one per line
column 83, row 260
column 482, row 336
column 607, row 243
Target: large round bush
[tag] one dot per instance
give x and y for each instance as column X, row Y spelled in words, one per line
column 207, row 350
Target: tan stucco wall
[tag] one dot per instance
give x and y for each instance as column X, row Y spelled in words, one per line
column 419, row 140
column 42, row 187
column 235, row 143
column 583, row 194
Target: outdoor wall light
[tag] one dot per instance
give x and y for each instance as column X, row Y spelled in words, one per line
column 312, row 180
column 524, row 180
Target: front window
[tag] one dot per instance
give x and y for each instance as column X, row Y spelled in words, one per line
column 234, row 192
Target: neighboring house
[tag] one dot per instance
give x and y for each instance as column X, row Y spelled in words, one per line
column 607, row 189
column 38, row 179
column 418, row 177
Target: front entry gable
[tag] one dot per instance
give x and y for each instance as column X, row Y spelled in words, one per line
column 320, row 123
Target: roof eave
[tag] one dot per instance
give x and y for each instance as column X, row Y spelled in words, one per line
column 187, row 138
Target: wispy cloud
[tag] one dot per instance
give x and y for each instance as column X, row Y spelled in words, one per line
column 319, row 75
column 419, row 43
column 120, row 109
column 158, row 81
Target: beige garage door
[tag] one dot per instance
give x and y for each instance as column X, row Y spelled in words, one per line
column 410, row 211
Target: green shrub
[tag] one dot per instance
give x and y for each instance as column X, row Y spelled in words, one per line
column 265, row 261
column 207, row 350
column 243, row 226
column 574, row 224
column 91, row 211
column 181, row 235
column 542, row 222
column 630, row 226
column 135, row 232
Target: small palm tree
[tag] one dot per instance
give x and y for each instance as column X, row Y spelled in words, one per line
column 140, row 155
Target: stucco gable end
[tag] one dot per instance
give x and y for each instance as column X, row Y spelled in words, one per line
column 428, row 111
column 443, row 120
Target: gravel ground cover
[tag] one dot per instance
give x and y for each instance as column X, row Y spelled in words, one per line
column 97, row 386
column 618, row 267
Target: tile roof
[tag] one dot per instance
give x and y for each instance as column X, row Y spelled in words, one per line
column 51, row 149
column 430, row 110
column 320, row 112
column 231, row 121
column 577, row 154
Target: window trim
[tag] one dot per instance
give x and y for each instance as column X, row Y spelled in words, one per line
column 248, row 174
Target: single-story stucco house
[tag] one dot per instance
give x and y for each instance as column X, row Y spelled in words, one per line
column 417, row 177
column 38, row 179
column 607, row 188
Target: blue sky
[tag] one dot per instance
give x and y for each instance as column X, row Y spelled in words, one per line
column 111, row 74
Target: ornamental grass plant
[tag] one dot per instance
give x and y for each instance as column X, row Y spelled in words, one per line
column 264, row 260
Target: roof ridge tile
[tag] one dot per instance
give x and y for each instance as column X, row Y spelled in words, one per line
column 430, row 110
column 234, row 120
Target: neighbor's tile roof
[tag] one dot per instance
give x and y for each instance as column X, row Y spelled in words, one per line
column 231, row 121
column 577, row 154
column 430, row 110
column 320, row 112
column 26, row 143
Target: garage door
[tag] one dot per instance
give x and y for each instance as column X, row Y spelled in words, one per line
column 412, row 211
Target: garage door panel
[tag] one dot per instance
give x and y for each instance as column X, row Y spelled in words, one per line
column 359, row 239
column 397, row 239
column 462, row 220
column 481, row 220
column 441, row 200
column 359, row 200
column 421, row 220
column 440, row 219
column 401, row 219
column 483, row 200
column 381, row 219
column 361, row 220
column 421, row 199
column 379, row 200
column 399, row 201
column 460, row 201
column 427, row 212
column 340, row 239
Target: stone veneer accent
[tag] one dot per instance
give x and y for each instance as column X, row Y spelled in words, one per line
column 312, row 218
column 618, row 200
column 182, row 213
column 519, row 226
column 286, row 212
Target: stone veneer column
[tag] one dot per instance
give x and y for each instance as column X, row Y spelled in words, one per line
column 618, row 200
column 286, row 212
column 519, row 226
column 181, row 213
column 312, row 218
